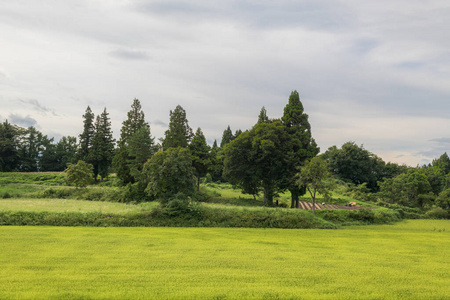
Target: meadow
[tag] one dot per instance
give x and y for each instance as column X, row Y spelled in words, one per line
column 408, row 260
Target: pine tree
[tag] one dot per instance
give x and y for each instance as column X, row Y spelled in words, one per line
column 102, row 151
column 134, row 122
column 179, row 133
column 135, row 145
column 227, row 137
column 303, row 147
column 263, row 118
column 87, row 135
column 201, row 159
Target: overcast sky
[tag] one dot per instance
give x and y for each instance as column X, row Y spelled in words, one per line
column 373, row 72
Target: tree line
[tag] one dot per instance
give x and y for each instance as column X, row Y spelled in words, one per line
column 267, row 158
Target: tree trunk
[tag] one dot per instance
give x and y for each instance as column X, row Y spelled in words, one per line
column 198, row 183
column 295, row 195
column 265, row 196
column 314, row 203
column 268, row 195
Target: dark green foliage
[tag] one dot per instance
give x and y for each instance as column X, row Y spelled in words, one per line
column 135, row 147
column 356, row 164
column 227, row 137
column 302, row 146
column 258, row 159
column 140, row 148
column 443, row 162
column 201, row 157
column 179, row 133
column 9, row 145
column 359, row 216
column 263, row 118
column 121, row 164
column 412, row 189
column 56, row 157
column 86, row 136
column 169, row 173
column 135, row 120
column 80, row 174
column 443, row 200
column 102, row 150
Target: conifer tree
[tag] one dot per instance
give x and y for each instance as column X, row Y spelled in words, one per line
column 302, row 145
column 135, row 146
column 263, row 118
column 102, row 151
column 201, row 159
column 227, row 137
column 87, row 135
column 179, row 133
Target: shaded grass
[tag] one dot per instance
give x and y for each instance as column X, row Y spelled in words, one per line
column 408, row 260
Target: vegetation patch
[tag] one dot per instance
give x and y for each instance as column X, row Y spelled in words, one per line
column 406, row 260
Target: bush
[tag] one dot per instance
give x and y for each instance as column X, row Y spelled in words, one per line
column 80, row 174
column 437, row 213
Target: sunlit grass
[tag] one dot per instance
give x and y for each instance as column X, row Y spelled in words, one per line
column 409, row 260
column 67, row 205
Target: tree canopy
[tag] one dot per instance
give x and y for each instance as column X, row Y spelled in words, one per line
column 179, row 133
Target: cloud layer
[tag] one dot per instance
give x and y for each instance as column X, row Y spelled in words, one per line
column 375, row 73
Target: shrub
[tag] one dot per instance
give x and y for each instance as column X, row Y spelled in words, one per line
column 80, row 174
column 437, row 213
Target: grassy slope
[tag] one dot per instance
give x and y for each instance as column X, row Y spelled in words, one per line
column 407, row 260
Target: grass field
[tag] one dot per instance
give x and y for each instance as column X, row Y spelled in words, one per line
column 68, row 205
column 408, row 260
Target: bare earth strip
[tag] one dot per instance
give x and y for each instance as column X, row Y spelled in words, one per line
column 309, row 205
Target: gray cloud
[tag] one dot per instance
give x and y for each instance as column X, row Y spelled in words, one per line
column 159, row 123
column 130, row 54
column 37, row 106
column 442, row 141
column 26, row 121
column 324, row 15
column 374, row 73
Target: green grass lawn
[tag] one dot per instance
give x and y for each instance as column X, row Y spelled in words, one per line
column 68, row 205
column 408, row 260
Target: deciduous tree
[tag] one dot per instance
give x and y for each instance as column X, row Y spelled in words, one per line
column 79, row 174
column 258, row 159
column 169, row 173
column 312, row 176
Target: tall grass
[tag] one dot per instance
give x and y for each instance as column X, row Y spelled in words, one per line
column 409, row 260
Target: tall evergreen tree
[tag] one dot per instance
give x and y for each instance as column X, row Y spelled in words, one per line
column 302, row 145
column 134, row 122
column 263, row 118
column 9, row 144
column 135, row 145
column 141, row 147
column 86, row 136
column 102, row 150
column 179, row 133
column 201, row 159
column 227, row 137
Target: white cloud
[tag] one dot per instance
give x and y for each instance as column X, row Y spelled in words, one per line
column 380, row 67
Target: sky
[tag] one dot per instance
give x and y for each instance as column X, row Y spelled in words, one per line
column 373, row 72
